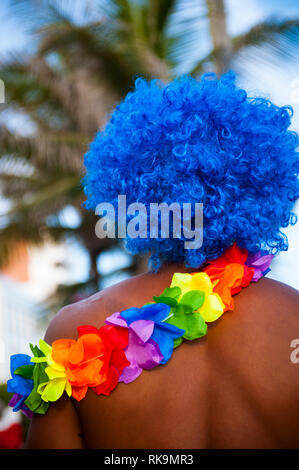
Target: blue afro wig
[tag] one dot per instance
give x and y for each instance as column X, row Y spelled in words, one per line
column 200, row 141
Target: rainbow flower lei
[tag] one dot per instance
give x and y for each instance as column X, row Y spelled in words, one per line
column 134, row 339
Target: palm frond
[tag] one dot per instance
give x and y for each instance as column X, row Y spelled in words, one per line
column 154, row 17
column 87, row 102
column 74, row 98
column 265, row 32
column 15, row 186
column 96, row 47
column 58, row 191
column 39, row 12
column 53, row 152
column 120, row 10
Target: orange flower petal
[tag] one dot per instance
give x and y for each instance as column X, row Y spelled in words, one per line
column 230, row 278
column 86, row 374
column 87, row 347
column 79, row 392
column 61, row 349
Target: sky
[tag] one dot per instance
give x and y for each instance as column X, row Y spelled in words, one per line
column 263, row 71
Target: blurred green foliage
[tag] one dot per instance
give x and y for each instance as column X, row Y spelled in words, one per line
column 68, row 86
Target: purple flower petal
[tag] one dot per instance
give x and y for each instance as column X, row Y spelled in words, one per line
column 17, row 403
column 154, row 356
column 143, row 329
column 142, row 355
column 117, row 320
column 16, row 398
column 130, row 373
column 260, row 263
column 146, row 355
column 142, row 352
column 27, row 412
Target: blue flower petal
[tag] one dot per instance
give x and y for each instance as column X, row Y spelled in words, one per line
column 18, row 406
column 131, row 314
column 18, row 360
column 165, row 343
column 266, row 272
column 154, row 312
column 164, row 336
column 20, row 385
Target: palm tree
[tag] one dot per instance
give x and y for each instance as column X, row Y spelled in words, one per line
column 68, row 87
column 222, row 42
column 227, row 48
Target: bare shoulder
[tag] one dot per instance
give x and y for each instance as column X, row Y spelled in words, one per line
column 264, row 324
column 279, row 288
column 273, row 295
column 269, row 303
column 94, row 309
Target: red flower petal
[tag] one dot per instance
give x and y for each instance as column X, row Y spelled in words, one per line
column 87, row 329
column 107, row 387
column 233, row 254
column 114, row 336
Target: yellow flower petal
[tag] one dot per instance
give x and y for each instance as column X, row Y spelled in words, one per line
column 201, row 281
column 183, row 281
column 215, row 282
column 53, row 373
column 44, row 347
column 54, row 364
column 212, row 308
column 53, row 389
column 40, row 389
column 38, row 359
column 68, row 388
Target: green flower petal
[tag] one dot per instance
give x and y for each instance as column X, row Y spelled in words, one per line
column 34, row 400
column 52, row 390
column 177, row 342
column 36, row 404
column 192, row 300
column 25, row 371
column 185, row 316
column 169, row 296
column 194, row 325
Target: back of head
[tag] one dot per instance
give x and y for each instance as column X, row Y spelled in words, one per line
column 199, row 141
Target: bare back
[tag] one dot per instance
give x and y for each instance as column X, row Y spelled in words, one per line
column 235, row 388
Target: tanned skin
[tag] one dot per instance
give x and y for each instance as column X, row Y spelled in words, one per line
column 235, row 388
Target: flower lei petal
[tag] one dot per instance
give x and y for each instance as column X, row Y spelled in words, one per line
column 134, row 339
column 212, row 307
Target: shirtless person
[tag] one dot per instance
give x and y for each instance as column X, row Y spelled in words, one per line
column 237, row 387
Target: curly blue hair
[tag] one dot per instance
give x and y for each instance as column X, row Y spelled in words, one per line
column 202, row 141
